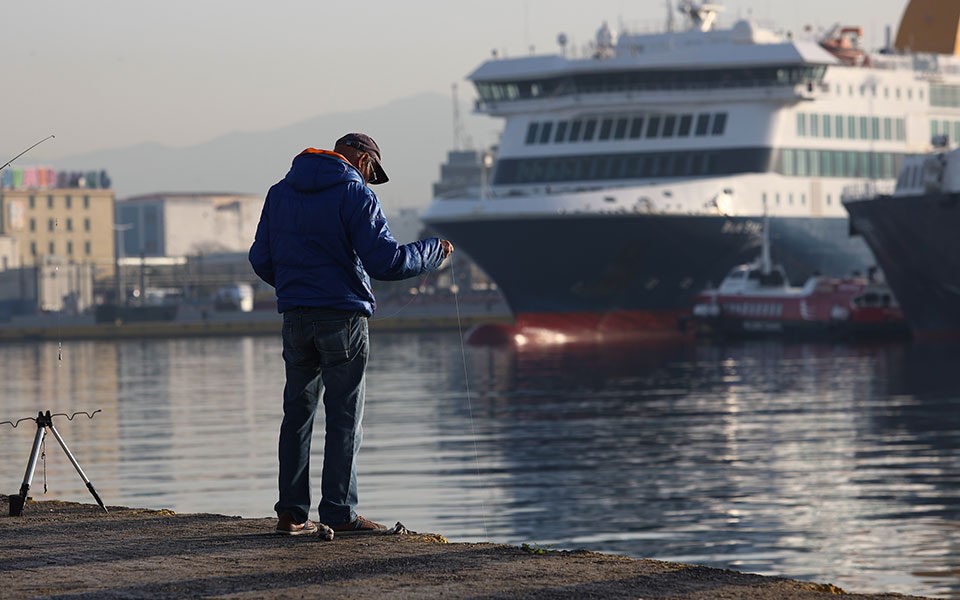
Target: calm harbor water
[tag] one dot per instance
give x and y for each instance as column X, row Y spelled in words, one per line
column 826, row 462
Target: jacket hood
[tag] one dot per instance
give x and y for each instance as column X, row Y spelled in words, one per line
column 315, row 170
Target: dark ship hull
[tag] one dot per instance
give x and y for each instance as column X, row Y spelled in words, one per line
column 612, row 276
column 916, row 241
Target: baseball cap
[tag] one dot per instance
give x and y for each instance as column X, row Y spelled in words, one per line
column 365, row 143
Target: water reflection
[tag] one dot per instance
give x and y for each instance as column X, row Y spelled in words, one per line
column 819, row 461
column 815, row 461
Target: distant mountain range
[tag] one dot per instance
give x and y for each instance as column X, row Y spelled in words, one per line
column 414, row 134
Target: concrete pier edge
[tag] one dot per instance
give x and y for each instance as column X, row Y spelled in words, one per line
column 58, row 548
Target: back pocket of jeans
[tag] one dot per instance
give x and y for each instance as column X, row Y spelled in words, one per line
column 332, row 339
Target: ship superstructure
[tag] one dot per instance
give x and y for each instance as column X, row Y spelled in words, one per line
column 628, row 179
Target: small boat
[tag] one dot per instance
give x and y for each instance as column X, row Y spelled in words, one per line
column 757, row 299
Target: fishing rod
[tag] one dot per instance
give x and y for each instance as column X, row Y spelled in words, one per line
column 9, row 162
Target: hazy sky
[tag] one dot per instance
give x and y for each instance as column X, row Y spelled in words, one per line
column 108, row 73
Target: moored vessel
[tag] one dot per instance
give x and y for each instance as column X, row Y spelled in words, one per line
column 630, row 176
column 914, row 233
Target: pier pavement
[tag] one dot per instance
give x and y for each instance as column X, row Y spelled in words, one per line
column 68, row 550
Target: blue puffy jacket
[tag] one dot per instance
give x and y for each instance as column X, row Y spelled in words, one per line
column 322, row 235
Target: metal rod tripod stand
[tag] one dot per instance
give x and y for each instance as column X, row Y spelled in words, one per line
column 45, row 421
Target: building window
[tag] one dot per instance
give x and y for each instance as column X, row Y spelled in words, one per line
column 33, row 248
column 561, row 135
column 545, row 129
column 801, row 124
column 68, row 201
column 838, row 122
column 719, row 123
column 685, row 122
column 606, row 127
column 814, row 125
column 69, row 224
column 621, row 131
column 53, row 248
column 86, row 201
column 669, row 124
column 589, row 129
column 653, row 127
column 575, row 128
column 51, row 225
column 69, row 248
column 826, row 125
column 33, row 202
column 86, row 224
column 636, row 128
column 531, row 133
column 851, row 127
column 703, row 122
column 49, row 201
column 33, row 224
column 86, row 248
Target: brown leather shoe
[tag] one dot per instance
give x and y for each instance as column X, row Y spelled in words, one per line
column 286, row 525
column 360, row 525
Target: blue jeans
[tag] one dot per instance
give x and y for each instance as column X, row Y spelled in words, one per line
column 325, row 353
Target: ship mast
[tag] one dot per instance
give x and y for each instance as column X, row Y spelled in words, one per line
column 765, row 261
column 458, row 135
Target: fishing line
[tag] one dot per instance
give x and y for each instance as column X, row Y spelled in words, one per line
column 57, row 267
column 466, row 382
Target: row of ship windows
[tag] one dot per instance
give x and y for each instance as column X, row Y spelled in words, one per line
column 52, row 248
column 872, row 90
column 851, row 127
column 788, row 161
column 839, row 163
column 951, row 129
column 52, row 224
column 944, row 95
column 620, row 128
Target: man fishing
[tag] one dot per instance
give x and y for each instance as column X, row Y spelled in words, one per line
column 322, row 235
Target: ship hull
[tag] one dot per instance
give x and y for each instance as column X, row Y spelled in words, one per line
column 635, row 274
column 916, row 243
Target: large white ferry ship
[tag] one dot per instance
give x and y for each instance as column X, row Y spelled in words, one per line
column 628, row 179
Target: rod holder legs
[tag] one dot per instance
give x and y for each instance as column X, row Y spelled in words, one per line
column 44, row 422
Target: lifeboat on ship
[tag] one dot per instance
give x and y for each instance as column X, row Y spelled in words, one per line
column 844, row 43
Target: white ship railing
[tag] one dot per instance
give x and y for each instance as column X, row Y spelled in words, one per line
column 869, row 189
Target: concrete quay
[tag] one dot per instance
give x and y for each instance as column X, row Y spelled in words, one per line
column 61, row 549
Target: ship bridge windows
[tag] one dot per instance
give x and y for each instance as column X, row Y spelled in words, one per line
column 857, row 127
column 624, row 127
column 649, row 80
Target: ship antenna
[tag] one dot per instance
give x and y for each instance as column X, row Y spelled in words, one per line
column 765, row 261
column 670, row 20
column 457, row 121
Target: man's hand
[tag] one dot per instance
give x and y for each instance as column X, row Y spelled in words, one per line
column 447, row 247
